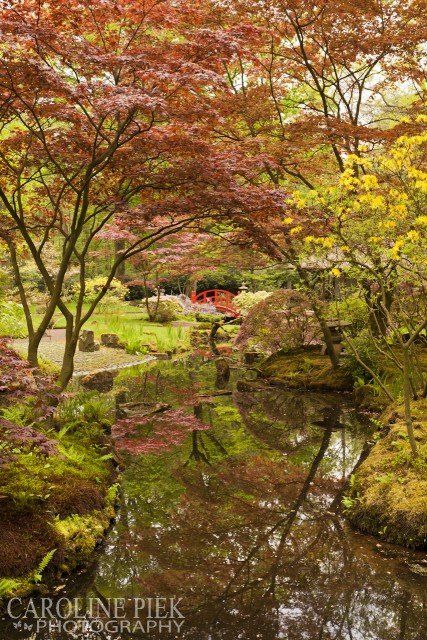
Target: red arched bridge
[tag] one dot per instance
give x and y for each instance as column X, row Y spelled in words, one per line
column 221, row 299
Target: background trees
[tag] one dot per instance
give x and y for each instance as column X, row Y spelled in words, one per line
column 321, row 80
column 376, row 236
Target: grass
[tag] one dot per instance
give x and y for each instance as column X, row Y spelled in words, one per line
column 131, row 325
column 136, row 332
column 125, row 309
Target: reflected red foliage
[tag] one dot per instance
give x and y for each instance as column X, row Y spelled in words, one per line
column 155, row 433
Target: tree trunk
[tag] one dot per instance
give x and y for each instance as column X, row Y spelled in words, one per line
column 71, row 338
column 407, row 396
column 67, row 368
column 379, row 309
column 21, row 288
column 33, row 349
column 215, row 327
column 119, row 245
column 35, row 337
column 327, row 336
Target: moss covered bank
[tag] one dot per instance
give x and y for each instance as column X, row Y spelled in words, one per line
column 388, row 493
column 58, row 491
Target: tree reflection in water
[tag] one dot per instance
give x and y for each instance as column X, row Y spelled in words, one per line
column 252, row 541
column 243, row 524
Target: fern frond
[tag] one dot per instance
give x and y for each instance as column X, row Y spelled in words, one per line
column 37, row 576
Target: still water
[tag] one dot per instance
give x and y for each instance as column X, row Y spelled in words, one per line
column 238, row 532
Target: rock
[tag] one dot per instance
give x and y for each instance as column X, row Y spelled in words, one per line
column 249, row 385
column 99, row 381
column 87, row 342
column 222, row 373
column 366, row 399
column 251, row 356
column 112, row 341
column 133, row 409
column 162, row 356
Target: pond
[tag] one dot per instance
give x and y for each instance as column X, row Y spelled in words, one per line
column 238, row 532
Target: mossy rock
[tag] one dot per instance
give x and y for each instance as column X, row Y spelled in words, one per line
column 388, row 494
column 40, row 490
column 305, row 370
column 367, row 399
column 249, row 385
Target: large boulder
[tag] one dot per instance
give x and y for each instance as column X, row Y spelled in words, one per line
column 99, row 381
column 87, row 342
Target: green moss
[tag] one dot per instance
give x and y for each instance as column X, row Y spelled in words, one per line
column 62, row 501
column 305, row 370
column 388, row 495
column 81, row 534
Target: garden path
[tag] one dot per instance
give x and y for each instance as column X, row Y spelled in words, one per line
column 53, row 349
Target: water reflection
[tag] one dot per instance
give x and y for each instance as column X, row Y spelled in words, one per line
column 243, row 523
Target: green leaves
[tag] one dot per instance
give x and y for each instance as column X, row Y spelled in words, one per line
column 37, row 575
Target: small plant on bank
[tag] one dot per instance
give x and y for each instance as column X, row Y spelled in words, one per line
column 38, row 573
column 350, row 500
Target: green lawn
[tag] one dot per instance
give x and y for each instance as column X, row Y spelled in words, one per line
column 131, row 325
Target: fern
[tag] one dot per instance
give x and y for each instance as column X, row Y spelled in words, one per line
column 17, row 413
column 108, row 456
column 37, row 575
column 63, row 432
column 72, row 454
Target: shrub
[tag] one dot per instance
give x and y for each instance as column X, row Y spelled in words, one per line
column 12, row 320
column 352, row 309
column 246, row 300
column 206, row 309
column 282, row 321
column 135, row 292
column 367, row 352
column 165, row 310
column 208, row 317
column 115, row 294
column 19, row 380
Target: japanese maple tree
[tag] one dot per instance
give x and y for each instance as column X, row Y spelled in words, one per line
column 166, row 260
column 322, row 79
column 104, row 108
